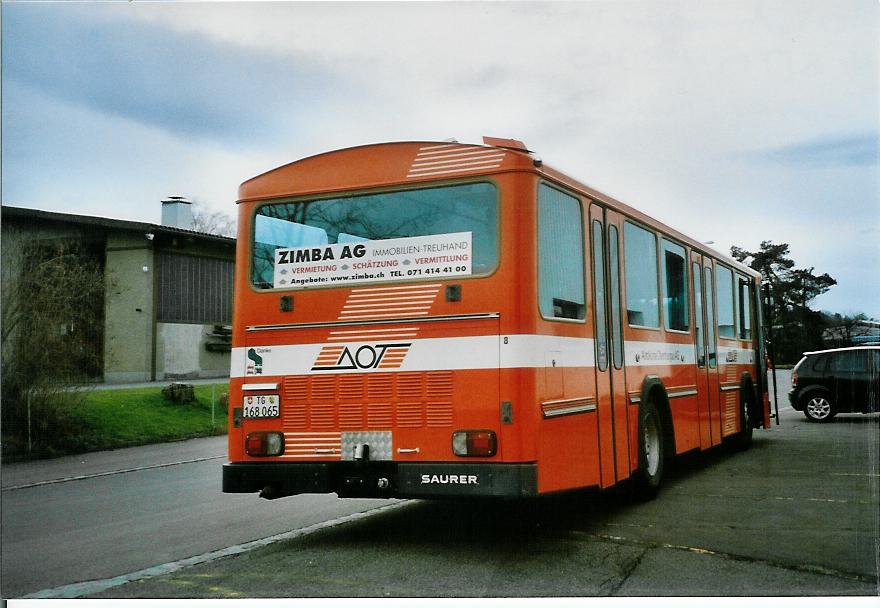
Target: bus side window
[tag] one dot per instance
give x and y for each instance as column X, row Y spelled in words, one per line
column 560, row 255
column 675, row 292
column 726, row 306
column 745, row 300
column 698, row 316
column 640, row 265
column 710, row 318
column 614, row 279
column 599, row 297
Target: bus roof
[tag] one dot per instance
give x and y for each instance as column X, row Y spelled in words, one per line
column 382, row 164
column 412, row 162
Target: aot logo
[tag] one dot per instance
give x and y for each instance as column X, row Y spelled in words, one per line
column 369, row 356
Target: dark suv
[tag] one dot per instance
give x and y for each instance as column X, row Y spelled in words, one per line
column 829, row 382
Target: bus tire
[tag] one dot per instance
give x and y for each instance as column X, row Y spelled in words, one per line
column 743, row 440
column 652, row 453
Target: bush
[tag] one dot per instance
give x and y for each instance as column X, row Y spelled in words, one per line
column 54, row 425
column 52, row 319
column 179, row 393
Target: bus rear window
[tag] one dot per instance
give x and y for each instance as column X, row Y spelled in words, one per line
column 430, row 233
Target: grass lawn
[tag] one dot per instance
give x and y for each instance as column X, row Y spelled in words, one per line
column 138, row 416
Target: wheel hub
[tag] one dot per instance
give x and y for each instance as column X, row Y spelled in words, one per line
column 652, row 446
column 819, row 407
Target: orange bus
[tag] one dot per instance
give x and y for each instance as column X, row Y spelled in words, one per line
column 428, row 319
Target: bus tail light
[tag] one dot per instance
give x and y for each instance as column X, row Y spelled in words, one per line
column 264, row 443
column 474, row 443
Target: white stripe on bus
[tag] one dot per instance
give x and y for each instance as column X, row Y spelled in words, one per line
column 372, row 331
column 467, row 352
column 348, row 316
column 357, row 299
column 476, row 164
column 390, row 305
column 354, row 292
column 452, row 171
column 471, row 159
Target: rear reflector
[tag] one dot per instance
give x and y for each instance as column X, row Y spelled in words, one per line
column 264, row 443
column 474, row 443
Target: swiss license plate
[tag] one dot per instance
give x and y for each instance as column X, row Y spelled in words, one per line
column 261, row 406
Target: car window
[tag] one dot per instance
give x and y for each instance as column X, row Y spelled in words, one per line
column 850, row 361
column 819, row 363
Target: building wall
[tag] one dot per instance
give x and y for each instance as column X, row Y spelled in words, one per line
column 182, row 352
column 129, row 336
column 137, row 347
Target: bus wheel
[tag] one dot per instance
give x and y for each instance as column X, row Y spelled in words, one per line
column 646, row 479
column 743, row 439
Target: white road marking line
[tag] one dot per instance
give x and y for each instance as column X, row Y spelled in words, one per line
column 855, row 474
column 106, row 473
column 92, row 587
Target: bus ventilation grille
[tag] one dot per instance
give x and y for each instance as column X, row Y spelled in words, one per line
column 367, row 401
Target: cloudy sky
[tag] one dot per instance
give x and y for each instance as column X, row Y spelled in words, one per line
column 734, row 121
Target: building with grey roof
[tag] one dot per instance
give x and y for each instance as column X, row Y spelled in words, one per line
column 167, row 296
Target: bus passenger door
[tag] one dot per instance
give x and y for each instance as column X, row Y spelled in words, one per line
column 713, row 394
column 608, row 338
column 701, row 350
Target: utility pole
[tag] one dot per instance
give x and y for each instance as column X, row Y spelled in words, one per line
column 770, row 353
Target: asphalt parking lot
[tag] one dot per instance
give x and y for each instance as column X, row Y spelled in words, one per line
column 796, row 515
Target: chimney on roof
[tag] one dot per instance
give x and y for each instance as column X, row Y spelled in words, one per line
column 177, row 213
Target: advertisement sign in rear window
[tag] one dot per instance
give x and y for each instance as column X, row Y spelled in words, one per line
column 427, row 233
column 433, row 256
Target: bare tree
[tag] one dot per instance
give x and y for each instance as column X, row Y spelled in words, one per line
column 52, row 337
column 843, row 329
column 212, row 222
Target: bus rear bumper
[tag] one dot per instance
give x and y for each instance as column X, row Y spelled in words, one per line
column 382, row 479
